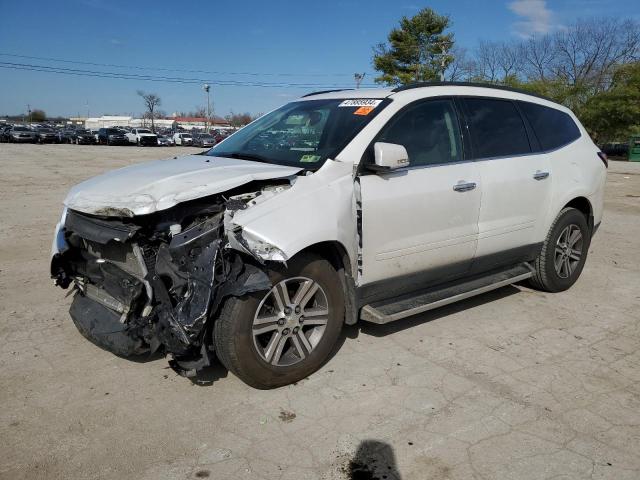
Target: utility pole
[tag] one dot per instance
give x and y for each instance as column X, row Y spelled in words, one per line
column 206, row 87
column 359, row 77
column 29, row 110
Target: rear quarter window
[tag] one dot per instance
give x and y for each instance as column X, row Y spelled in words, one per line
column 553, row 128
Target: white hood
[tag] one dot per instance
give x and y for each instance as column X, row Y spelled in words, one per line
column 148, row 187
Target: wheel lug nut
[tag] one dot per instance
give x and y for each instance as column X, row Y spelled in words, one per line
column 281, row 321
column 285, row 331
column 295, row 330
column 297, row 309
column 287, row 310
column 301, row 320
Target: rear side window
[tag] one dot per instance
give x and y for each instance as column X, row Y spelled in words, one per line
column 496, row 127
column 428, row 130
column 553, row 128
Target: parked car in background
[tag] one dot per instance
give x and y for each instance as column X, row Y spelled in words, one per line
column 112, row 136
column 65, row 135
column 46, row 135
column 181, row 138
column 142, row 137
column 164, row 141
column 4, row 133
column 616, row 149
column 21, row 134
column 83, row 137
column 220, row 135
column 203, row 140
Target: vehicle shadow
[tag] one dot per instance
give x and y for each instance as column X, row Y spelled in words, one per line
column 373, row 460
column 209, row 375
column 144, row 358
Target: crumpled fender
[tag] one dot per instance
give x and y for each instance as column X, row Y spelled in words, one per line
column 317, row 208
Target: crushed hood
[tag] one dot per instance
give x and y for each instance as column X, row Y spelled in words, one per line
column 152, row 186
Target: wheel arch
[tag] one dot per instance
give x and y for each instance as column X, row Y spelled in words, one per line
column 336, row 254
column 583, row 205
column 333, row 251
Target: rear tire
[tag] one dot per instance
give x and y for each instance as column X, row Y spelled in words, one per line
column 563, row 253
column 298, row 347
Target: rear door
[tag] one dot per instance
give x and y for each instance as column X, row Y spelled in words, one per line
column 516, row 182
column 421, row 223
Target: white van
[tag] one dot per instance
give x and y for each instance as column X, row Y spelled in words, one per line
column 369, row 205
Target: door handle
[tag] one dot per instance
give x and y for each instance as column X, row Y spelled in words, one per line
column 539, row 175
column 463, row 186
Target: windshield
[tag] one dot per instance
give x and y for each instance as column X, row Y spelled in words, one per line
column 302, row 134
column 21, row 129
column 141, row 130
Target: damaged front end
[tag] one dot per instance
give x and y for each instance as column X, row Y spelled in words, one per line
column 152, row 282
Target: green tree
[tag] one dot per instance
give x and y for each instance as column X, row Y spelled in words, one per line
column 613, row 115
column 38, row 115
column 417, row 51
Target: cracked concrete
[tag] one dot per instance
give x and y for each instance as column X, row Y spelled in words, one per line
column 515, row 384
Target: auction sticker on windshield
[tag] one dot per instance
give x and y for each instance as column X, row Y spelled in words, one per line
column 361, row 102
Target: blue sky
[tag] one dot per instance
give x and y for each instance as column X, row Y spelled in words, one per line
column 314, row 43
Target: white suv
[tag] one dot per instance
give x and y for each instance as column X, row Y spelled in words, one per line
column 181, row 138
column 142, row 136
column 341, row 206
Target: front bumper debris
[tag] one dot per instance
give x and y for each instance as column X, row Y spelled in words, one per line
column 152, row 283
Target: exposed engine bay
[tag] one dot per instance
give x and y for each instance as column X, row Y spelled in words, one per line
column 150, row 283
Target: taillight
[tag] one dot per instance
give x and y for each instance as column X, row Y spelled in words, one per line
column 603, row 157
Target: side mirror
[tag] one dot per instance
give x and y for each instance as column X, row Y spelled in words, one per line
column 388, row 157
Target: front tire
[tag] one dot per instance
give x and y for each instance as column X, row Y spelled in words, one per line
column 563, row 253
column 274, row 338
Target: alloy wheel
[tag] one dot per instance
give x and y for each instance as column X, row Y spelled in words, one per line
column 568, row 252
column 290, row 321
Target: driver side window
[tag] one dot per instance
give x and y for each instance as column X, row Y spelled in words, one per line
column 428, row 130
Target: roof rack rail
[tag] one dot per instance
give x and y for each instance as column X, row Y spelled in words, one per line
column 409, row 86
column 326, row 91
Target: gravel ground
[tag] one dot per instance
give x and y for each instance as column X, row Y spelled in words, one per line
column 514, row 384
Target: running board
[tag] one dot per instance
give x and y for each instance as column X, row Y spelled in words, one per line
column 401, row 307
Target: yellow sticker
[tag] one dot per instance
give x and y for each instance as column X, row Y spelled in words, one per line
column 363, row 111
column 309, row 158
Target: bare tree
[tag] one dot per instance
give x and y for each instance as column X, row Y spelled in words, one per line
column 240, row 119
column 461, row 67
column 487, row 61
column 509, row 58
column 498, row 61
column 200, row 112
column 589, row 50
column 151, row 101
column 539, row 56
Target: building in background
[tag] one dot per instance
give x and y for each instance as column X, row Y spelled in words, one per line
column 189, row 123
column 107, row 121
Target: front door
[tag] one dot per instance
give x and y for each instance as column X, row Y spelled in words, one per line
column 420, row 224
